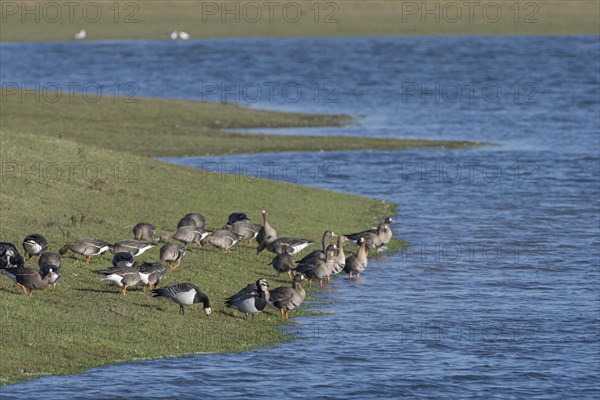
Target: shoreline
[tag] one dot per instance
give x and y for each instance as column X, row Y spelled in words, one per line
column 88, row 323
column 301, row 18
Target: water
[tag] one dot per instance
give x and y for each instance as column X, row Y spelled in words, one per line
column 498, row 295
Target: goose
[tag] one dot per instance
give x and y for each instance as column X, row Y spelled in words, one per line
column 53, row 272
column 321, row 269
column 144, row 231
column 237, row 216
column 80, row 35
column 252, row 299
column 122, row 259
column 192, row 219
column 245, row 229
column 135, row 247
column 186, row 234
column 184, row 35
column 339, row 261
column 375, row 238
column 294, row 245
column 222, row 239
column 151, row 273
column 48, row 260
column 123, row 277
column 9, row 255
column 355, row 264
column 287, row 298
column 266, row 234
column 87, row 247
column 312, row 257
column 284, row 263
column 34, row 245
column 29, row 278
column 174, row 35
column 171, row 252
column 184, row 294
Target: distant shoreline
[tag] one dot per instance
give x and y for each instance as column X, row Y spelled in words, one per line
column 109, row 20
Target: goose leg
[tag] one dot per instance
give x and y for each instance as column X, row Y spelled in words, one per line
column 282, row 313
column 87, row 259
column 23, row 288
column 30, row 293
column 124, row 290
column 181, row 310
column 290, row 275
column 320, row 283
column 328, row 278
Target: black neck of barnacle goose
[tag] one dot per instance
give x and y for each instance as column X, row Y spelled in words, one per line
column 202, row 298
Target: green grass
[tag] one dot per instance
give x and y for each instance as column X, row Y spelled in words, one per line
column 87, row 322
column 151, row 19
column 71, row 170
column 157, row 127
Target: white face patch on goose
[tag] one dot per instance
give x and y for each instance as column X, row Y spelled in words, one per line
column 208, row 310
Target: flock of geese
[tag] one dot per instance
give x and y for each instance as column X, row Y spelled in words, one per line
column 125, row 272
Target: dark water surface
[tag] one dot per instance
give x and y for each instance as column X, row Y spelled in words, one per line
column 498, row 295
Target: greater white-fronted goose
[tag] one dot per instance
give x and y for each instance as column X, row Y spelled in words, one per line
column 322, row 268
column 29, row 279
column 237, row 216
column 53, row 260
column 192, row 219
column 52, row 271
column 144, row 231
column 375, row 238
column 151, row 273
column 87, row 247
column 135, row 247
column 172, row 253
column 50, row 259
column 186, row 234
column 284, row 263
column 387, row 233
column 184, row 294
column 123, row 277
column 245, row 229
column 266, row 233
column 311, row 258
column 123, row 259
column 340, row 258
column 9, row 255
column 252, row 299
column 287, row 298
column 292, row 245
column 34, row 245
column 355, row 264
column 222, row 239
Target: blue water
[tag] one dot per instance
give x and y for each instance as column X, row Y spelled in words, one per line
column 497, row 296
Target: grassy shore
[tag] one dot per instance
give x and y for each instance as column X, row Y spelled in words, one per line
column 151, row 19
column 157, row 127
column 78, row 170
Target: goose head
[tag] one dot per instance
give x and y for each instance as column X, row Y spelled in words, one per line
column 262, row 285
